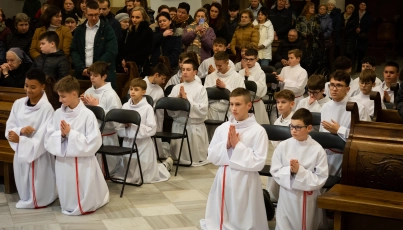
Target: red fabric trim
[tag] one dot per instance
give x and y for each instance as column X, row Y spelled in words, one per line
column 78, row 191
column 336, row 151
column 223, row 198
column 108, row 134
column 33, row 186
column 304, row 208
column 257, row 100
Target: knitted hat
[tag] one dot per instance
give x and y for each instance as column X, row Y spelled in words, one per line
column 122, row 16
column 184, row 5
column 332, row 2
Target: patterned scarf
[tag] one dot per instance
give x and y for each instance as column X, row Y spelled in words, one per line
column 178, row 21
column 196, row 44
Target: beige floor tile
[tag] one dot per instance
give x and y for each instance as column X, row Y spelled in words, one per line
column 129, row 189
column 14, row 210
column 135, row 223
column 13, row 197
column 175, row 178
column 117, row 200
column 6, row 221
column 205, row 192
column 184, row 195
column 173, row 185
column 66, row 219
column 3, row 198
column 147, row 198
column 43, row 218
column 39, row 227
column 157, row 209
column 191, row 206
column 90, row 225
column 201, row 183
column 186, row 228
column 4, row 209
column 195, row 217
column 168, row 221
column 199, row 174
column 120, row 211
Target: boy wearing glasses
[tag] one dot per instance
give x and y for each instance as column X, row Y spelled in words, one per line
column 317, row 97
column 252, row 72
column 293, row 76
column 335, row 119
column 300, row 167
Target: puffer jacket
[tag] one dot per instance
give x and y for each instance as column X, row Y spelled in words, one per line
column 266, row 32
column 53, row 65
column 247, row 33
column 65, row 40
column 326, row 25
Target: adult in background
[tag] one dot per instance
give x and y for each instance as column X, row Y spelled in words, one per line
column 334, row 14
column 281, row 19
column 31, row 7
column 167, row 41
column 105, row 9
column 232, row 19
column 52, row 21
column 255, row 7
column 291, row 42
column 245, row 32
column 217, row 22
column 71, row 23
column 124, row 21
column 308, row 25
column 198, row 36
column 21, row 37
column 172, row 11
column 162, row 8
column 326, row 24
column 93, row 41
column 129, row 5
column 182, row 18
column 144, row 4
column 69, row 10
column 14, row 70
column 348, row 34
column 266, row 32
column 137, row 43
column 362, row 31
column 4, row 30
column 81, row 7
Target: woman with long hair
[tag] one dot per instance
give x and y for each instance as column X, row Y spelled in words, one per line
column 308, row 25
column 81, row 6
column 217, row 22
column 144, row 4
column 266, row 32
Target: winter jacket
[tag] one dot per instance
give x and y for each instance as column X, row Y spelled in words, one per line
column 281, row 20
column 223, row 32
column 307, row 27
column 189, row 36
column 65, row 39
column 137, row 46
column 4, row 31
column 266, row 32
column 105, row 49
column 247, row 33
column 326, row 25
column 115, row 24
column 348, row 35
column 22, row 41
column 123, row 10
column 336, row 23
column 169, row 46
column 365, row 26
column 31, row 7
column 284, row 47
column 232, row 25
column 54, row 65
column 16, row 78
column 71, row 14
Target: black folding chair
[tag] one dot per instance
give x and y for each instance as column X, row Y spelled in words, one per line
column 251, row 86
column 316, row 118
column 174, row 104
column 268, row 69
column 214, row 93
column 148, row 98
column 99, row 114
column 271, row 103
column 168, row 90
column 122, row 116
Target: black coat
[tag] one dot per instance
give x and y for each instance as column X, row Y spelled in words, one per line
column 16, row 78
column 281, row 20
column 115, row 24
column 55, row 64
column 232, row 25
column 22, row 41
column 284, row 47
column 223, row 32
column 171, row 47
column 365, row 26
column 335, row 15
column 348, row 35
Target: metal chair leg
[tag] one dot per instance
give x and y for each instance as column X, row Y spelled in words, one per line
column 156, row 149
column 179, row 157
column 127, row 171
column 138, row 161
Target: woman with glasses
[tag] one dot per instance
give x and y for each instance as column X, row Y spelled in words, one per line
column 51, row 21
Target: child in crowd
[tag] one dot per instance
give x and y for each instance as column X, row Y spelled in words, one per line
column 335, row 119
column 103, row 95
column 300, row 167
column 25, row 131
column 73, row 136
column 367, row 82
column 152, row 171
column 51, row 61
column 253, row 72
column 208, row 66
column 196, row 94
column 316, row 98
column 239, row 148
column 368, row 63
column 177, row 78
column 343, row 63
column 390, row 76
column 245, row 46
column 293, row 76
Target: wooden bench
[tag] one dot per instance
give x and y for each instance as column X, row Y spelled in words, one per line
column 370, row 195
column 384, row 115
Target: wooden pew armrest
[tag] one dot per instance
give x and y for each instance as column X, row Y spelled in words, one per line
column 364, row 201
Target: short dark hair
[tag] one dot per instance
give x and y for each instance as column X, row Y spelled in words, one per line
column 67, row 84
column 93, row 5
column 103, row 1
column 369, row 60
column 220, row 41
column 233, row 7
column 50, row 36
column 251, row 52
column 185, row 6
column 241, row 92
column 367, row 75
column 286, row 94
column 341, row 75
column 221, row 55
column 192, row 62
column 162, row 7
column 46, row 16
column 163, row 14
column 36, row 74
column 303, row 115
column 316, row 82
column 99, row 67
column 161, row 69
column 265, row 11
column 172, row 9
column 393, row 64
column 342, row 63
column 138, row 82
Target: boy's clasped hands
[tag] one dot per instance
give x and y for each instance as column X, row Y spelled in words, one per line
column 233, row 137
column 64, row 128
column 294, row 165
column 26, row 131
column 88, row 99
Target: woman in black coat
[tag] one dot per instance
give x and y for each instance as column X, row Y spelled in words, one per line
column 334, row 14
column 14, row 70
column 137, row 42
column 364, row 24
column 167, row 41
column 217, row 22
column 348, row 34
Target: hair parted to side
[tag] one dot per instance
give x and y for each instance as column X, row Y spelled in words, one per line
column 342, row 63
column 161, row 69
column 248, row 45
column 251, row 52
column 137, row 82
column 67, row 84
column 285, row 94
column 221, row 41
column 341, row 75
column 162, row 7
column 46, row 16
column 241, row 92
column 297, row 53
column 303, row 115
column 316, row 82
column 221, row 55
column 192, row 62
column 367, row 75
column 50, row 36
column 306, row 8
column 99, row 67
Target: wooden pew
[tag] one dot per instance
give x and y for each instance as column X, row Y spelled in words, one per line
column 7, row 97
column 370, row 194
column 384, row 115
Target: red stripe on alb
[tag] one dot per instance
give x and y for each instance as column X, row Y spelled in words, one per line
column 223, row 198
column 78, row 192
column 304, row 212
column 33, row 186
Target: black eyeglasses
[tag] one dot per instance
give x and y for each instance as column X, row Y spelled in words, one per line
column 249, row 59
column 297, row 127
column 337, row 86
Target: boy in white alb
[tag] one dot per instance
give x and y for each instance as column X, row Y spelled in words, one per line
column 245, row 46
column 368, row 63
column 152, row 171
column 293, row 76
column 239, row 148
column 34, row 167
column 73, row 137
column 390, row 75
column 300, row 167
column 367, row 83
column 252, row 72
column 208, row 65
column 196, row 94
column 335, row 119
column 316, row 98
column 177, row 78
column 103, row 95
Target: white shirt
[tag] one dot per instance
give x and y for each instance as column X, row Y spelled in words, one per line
column 90, row 33
column 354, row 89
column 366, row 102
column 202, row 72
column 295, row 79
column 377, row 81
column 316, row 106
